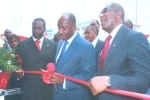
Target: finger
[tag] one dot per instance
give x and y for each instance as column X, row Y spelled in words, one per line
column 43, row 70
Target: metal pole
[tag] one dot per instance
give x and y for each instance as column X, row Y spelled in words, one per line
column 136, row 16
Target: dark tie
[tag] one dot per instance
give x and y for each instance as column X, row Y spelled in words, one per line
column 37, row 42
column 60, row 59
column 104, row 51
column 64, row 49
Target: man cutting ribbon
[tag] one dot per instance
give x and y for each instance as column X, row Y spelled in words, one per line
column 78, row 61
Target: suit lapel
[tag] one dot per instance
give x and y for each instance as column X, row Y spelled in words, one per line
column 32, row 44
column 59, row 44
column 58, row 47
column 98, row 47
column 71, row 49
column 44, row 45
column 119, row 36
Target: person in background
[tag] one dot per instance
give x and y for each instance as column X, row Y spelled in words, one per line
column 57, row 37
column 128, row 23
column 35, row 53
column 7, row 34
column 76, row 60
column 91, row 34
column 126, row 64
column 14, row 81
column 14, row 40
column 101, row 35
column 95, row 22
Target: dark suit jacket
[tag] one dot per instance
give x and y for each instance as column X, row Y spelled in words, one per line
column 33, row 59
column 128, row 64
column 79, row 62
column 98, row 48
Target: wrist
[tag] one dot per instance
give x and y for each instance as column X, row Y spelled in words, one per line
column 108, row 82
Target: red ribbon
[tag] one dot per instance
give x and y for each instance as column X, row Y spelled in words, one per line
column 51, row 70
column 4, row 79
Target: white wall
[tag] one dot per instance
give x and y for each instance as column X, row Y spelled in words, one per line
column 18, row 14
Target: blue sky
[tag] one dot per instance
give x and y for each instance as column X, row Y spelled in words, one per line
column 18, row 14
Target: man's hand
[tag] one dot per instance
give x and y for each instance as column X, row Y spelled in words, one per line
column 98, row 84
column 46, row 76
column 56, row 79
column 20, row 73
column 51, row 78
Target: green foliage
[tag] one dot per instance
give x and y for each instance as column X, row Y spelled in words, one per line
column 8, row 61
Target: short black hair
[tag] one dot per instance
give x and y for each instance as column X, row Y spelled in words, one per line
column 93, row 28
column 39, row 19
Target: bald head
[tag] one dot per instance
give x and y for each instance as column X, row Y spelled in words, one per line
column 67, row 25
column 70, row 17
column 8, row 33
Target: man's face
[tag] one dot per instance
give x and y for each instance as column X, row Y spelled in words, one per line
column 38, row 29
column 7, row 34
column 14, row 42
column 108, row 19
column 89, row 34
column 66, row 28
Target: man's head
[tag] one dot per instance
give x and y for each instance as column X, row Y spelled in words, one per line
column 66, row 25
column 91, row 33
column 128, row 23
column 38, row 28
column 14, row 40
column 111, row 16
column 57, row 37
column 95, row 22
column 8, row 33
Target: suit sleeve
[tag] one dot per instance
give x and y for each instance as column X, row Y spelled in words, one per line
column 139, row 60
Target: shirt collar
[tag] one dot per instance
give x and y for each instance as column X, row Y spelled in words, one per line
column 41, row 39
column 71, row 39
column 115, row 31
column 94, row 42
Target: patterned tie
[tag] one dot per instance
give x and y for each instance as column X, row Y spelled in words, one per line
column 37, row 42
column 60, row 59
column 104, row 51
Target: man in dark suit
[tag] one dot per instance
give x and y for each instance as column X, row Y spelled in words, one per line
column 91, row 34
column 97, row 43
column 126, row 65
column 36, row 58
column 78, row 61
column 7, row 34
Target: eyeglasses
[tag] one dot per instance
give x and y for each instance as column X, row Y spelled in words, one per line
column 7, row 32
column 92, row 24
column 107, row 10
